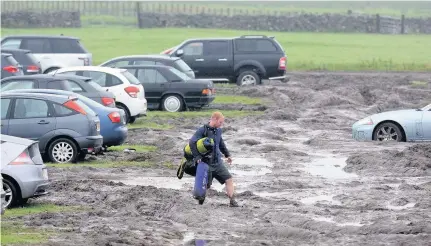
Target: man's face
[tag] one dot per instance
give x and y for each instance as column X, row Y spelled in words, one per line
column 218, row 122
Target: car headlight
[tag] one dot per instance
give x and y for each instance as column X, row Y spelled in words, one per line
column 365, row 121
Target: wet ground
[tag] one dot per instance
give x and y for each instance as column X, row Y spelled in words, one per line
column 300, row 178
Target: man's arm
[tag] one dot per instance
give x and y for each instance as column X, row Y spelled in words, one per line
column 193, row 143
column 223, row 148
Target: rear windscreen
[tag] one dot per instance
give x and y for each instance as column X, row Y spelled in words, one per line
column 11, row 61
column 132, row 79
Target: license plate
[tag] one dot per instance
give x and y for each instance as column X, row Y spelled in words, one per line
column 45, row 173
column 98, row 126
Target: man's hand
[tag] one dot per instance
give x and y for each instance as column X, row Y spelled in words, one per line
column 229, row 160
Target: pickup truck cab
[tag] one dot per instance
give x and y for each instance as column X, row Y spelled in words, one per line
column 244, row 60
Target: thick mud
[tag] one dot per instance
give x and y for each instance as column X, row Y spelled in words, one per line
column 300, row 178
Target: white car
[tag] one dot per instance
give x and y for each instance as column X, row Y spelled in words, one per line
column 129, row 92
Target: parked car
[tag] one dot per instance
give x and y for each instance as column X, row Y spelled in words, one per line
column 397, row 125
column 23, row 172
column 168, row 89
column 26, row 59
column 244, row 60
column 53, row 52
column 3, row 197
column 128, row 91
column 78, row 84
column 113, row 126
column 10, row 66
column 175, row 62
column 64, row 126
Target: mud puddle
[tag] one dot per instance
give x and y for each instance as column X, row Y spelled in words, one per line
column 330, row 168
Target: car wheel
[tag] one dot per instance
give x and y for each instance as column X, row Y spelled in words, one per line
column 172, row 103
column 12, row 196
column 388, row 132
column 248, row 78
column 126, row 112
column 62, row 150
column 132, row 119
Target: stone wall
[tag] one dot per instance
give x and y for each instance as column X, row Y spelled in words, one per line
column 289, row 23
column 29, row 19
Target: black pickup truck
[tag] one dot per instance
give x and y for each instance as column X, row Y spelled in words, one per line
column 245, row 60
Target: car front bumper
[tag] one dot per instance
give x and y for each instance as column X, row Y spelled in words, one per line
column 362, row 132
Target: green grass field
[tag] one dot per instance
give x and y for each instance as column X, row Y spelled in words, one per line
column 305, row 51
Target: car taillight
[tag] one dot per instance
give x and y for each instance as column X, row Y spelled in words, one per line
column 11, row 69
column 115, row 117
column 132, row 91
column 206, row 92
column 109, row 102
column 32, row 69
column 22, row 159
column 71, row 104
column 282, row 63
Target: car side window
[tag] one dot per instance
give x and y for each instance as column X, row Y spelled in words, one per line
column 4, row 107
column 17, row 84
column 11, row 43
column 113, row 80
column 143, row 62
column 65, row 46
column 253, row 45
column 60, row 110
column 98, row 77
column 55, row 85
column 151, row 76
column 217, row 48
column 37, row 45
column 30, row 108
column 194, row 49
column 75, row 86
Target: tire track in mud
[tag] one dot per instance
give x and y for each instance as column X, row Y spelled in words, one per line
column 291, row 173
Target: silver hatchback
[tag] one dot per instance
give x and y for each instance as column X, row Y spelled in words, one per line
column 23, row 171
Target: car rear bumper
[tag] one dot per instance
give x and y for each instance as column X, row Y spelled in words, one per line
column 284, row 77
column 90, row 144
column 138, row 108
column 116, row 136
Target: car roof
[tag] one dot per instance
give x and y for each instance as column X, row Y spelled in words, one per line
column 155, row 57
column 47, row 76
column 42, row 91
column 93, row 68
column 51, row 97
column 7, row 50
column 16, row 140
column 144, row 66
column 40, row 36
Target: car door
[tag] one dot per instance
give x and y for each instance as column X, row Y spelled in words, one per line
column 218, row 54
column 193, row 55
column 31, row 119
column 426, row 124
column 5, row 106
column 154, row 83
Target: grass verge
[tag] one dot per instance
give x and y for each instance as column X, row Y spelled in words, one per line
column 228, row 99
column 37, row 208
column 305, row 51
column 138, row 148
column 103, row 164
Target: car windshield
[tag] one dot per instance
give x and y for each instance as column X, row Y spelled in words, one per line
column 132, row 79
column 180, row 74
column 427, row 108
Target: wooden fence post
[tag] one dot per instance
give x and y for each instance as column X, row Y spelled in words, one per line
column 138, row 14
column 402, row 24
column 377, row 23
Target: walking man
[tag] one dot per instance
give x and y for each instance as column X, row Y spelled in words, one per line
column 217, row 169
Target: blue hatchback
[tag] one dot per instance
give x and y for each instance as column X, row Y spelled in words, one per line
column 112, row 120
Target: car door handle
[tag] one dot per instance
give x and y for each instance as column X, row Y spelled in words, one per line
column 222, row 59
column 200, row 59
column 42, row 122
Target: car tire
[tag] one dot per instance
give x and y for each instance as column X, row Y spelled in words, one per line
column 172, row 103
column 14, row 196
column 388, row 132
column 248, row 78
column 132, row 119
column 63, row 150
column 126, row 112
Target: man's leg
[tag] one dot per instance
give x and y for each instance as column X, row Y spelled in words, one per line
column 223, row 176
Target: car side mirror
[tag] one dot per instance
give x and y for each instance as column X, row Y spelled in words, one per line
column 179, row 52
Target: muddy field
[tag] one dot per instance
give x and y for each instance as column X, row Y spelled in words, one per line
column 300, row 178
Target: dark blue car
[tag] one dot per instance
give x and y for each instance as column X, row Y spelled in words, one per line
column 112, row 120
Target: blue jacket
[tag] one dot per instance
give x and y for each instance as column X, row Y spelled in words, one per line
column 219, row 145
